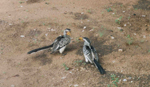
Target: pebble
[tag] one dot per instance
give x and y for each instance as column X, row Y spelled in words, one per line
column 22, row 36
column 143, row 15
column 82, row 12
column 113, row 61
column 144, row 36
column 84, row 27
column 124, row 80
column 112, row 37
column 125, row 25
column 134, row 33
column 121, row 70
column 21, row 6
column 75, row 85
column 131, row 81
column 119, row 28
column 10, row 24
column 46, row 34
column 82, row 30
column 120, row 50
column 63, row 77
column 123, row 11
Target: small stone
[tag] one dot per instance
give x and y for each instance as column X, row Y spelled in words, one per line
column 121, row 70
column 119, row 28
column 113, row 61
column 125, row 25
column 124, row 80
column 144, row 36
column 120, row 50
column 112, row 37
column 134, row 33
column 113, row 13
column 63, row 77
column 75, row 85
column 131, row 81
column 22, row 36
column 46, row 34
column 82, row 30
column 82, row 12
column 143, row 15
column 84, row 27
column 10, row 24
column 123, row 11
column 91, row 30
column 21, row 6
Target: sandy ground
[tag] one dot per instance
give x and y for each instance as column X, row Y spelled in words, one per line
column 119, row 30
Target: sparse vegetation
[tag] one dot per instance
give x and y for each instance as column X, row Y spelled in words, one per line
column 130, row 40
column 21, row 2
column 114, row 80
column 66, row 68
column 118, row 20
column 101, row 34
column 109, row 9
column 89, row 11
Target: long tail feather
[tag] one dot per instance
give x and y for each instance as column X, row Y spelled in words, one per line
column 38, row 49
column 100, row 68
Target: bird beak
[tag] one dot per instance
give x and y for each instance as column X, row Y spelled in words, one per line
column 80, row 38
column 69, row 33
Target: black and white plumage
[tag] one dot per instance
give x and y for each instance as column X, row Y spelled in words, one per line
column 90, row 54
column 59, row 43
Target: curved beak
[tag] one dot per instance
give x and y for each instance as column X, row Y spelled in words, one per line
column 80, row 38
column 69, row 33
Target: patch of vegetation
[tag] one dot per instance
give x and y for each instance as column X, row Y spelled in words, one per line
column 109, row 9
column 66, row 68
column 101, row 34
column 89, row 11
column 148, row 51
column 21, row 2
column 118, row 20
column 114, row 80
column 130, row 40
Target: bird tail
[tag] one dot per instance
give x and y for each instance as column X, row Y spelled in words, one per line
column 100, row 68
column 38, row 49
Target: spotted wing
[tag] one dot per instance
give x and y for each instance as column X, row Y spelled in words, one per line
column 60, row 42
column 87, row 53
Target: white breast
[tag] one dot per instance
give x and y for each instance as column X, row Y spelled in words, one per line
column 62, row 49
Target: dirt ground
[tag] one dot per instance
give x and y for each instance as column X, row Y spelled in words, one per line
column 119, row 30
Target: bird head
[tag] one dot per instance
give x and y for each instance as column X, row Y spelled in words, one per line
column 67, row 31
column 85, row 39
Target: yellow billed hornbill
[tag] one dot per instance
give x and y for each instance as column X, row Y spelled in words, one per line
column 90, row 54
column 59, row 43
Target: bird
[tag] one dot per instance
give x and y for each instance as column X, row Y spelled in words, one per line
column 90, row 54
column 59, row 44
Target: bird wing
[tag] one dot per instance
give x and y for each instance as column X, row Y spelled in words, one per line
column 87, row 53
column 94, row 53
column 60, row 42
column 95, row 59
